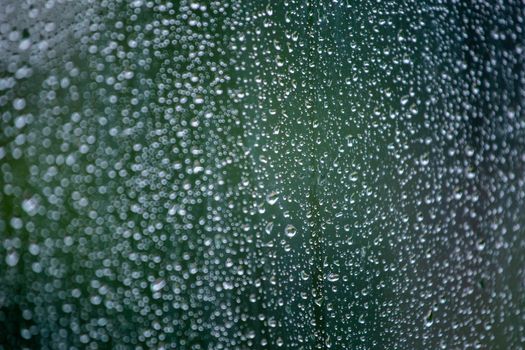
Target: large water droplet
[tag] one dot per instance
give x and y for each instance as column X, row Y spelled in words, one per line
column 158, row 285
column 290, row 230
column 272, row 197
column 30, row 206
column 429, row 319
column 19, row 104
column 12, row 259
column 332, row 277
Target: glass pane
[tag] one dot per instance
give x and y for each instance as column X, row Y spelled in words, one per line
column 262, row 174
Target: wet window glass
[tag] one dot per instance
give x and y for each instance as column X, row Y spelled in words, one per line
column 236, row 174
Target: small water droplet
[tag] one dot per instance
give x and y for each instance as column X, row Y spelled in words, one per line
column 361, row 319
column 480, row 245
column 269, row 227
column 332, row 277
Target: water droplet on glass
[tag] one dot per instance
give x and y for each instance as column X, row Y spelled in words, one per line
column 272, row 197
column 332, row 277
column 12, row 258
column 429, row 319
column 34, row 249
column 158, row 285
column 290, row 230
column 269, row 227
column 30, row 206
column 19, row 104
column 361, row 319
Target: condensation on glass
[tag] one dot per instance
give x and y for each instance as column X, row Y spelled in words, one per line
column 262, row 174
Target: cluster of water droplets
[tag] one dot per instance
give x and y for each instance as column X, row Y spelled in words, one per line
column 257, row 174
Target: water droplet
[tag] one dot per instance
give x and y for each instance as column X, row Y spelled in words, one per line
column 30, row 206
column 304, row 275
column 24, row 44
column 17, row 223
column 332, row 277
column 361, row 319
column 34, row 249
column 269, row 227
column 19, row 103
column 272, row 197
column 227, row 285
column 429, row 319
column 12, row 258
column 290, row 230
column 480, row 245
column 158, row 285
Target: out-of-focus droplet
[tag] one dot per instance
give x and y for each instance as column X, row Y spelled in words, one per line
column 30, row 206
column 12, row 258
column 19, row 103
column 158, row 285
